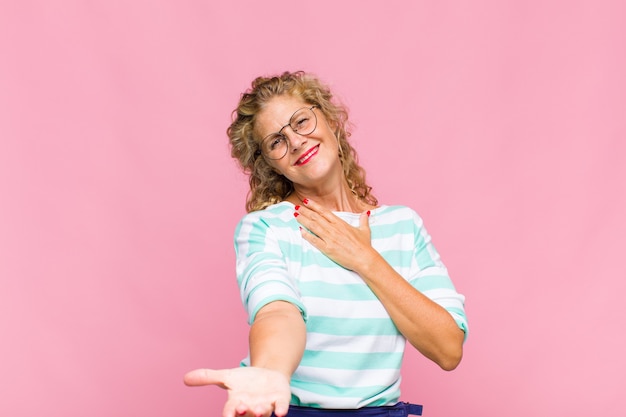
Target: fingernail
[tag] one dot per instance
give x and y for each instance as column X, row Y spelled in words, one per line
column 368, row 213
column 296, row 214
column 305, row 201
column 297, row 207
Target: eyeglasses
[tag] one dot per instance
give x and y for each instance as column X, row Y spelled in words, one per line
column 303, row 122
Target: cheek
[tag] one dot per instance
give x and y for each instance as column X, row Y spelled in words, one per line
column 276, row 168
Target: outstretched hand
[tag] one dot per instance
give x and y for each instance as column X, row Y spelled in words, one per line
column 252, row 391
column 345, row 244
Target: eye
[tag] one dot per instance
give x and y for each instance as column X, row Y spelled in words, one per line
column 275, row 142
column 300, row 123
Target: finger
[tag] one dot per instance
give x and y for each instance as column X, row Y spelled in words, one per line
column 261, row 410
column 234, row 409
column 201, row 377
column 319, row 223
column 281, row 408
column 319, row 209
column 311, row 237
column 311, row 223
column 311, row 227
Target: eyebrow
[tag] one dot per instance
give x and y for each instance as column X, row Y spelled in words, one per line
column 282, row 127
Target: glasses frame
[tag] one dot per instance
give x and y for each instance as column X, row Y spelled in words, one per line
column 280, row 133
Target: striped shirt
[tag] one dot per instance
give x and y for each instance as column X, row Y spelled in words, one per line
column 353, row 349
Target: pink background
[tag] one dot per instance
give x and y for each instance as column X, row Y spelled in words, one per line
column 501, row 122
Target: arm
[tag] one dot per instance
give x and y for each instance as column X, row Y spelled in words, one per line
column 277, row 340
column 426, row 325
column 277, row 331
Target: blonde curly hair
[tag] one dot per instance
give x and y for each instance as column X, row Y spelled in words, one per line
column 268, row 187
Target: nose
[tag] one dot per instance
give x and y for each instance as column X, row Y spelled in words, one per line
column 295, row 140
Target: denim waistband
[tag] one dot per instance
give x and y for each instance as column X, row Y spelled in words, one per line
column 401, row 409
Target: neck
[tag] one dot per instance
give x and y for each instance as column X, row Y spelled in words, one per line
column 335, row 199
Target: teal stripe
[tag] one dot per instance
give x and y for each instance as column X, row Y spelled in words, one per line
column 391, row 397
column 398, row 258
column 257, row 268
column 390, row 209
column 351, row 327
column 347, row 292
column 256, row 238
column 310, row 258
column 432, row 282
column 351, row 360
column 423, row 258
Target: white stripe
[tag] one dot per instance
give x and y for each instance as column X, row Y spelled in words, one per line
column 325, row 307
column 242, row 238
column 314, row 273
column 445, row 296
column 396, row 242
column 344, row 378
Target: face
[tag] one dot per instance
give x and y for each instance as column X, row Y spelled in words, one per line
column 311, row 159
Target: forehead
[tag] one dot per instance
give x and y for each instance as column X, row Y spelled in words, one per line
column 276, row 113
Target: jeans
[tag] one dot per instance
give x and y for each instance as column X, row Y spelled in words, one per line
column 401, row 409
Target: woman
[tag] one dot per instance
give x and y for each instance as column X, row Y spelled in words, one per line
column 334, row 284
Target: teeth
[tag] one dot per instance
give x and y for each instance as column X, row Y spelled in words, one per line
column 306, row 156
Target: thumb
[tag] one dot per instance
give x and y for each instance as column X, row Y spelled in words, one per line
column 364, row 220
column 201, row 377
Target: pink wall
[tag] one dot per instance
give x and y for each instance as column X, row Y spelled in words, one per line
column 501, row 122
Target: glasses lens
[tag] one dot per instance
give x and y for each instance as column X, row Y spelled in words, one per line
column 303, row 122
column 274, row 146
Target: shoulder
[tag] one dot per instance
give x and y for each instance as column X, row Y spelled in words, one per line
column 279, row 211
column 397, row 213
column 276, row 217
column 397, row 219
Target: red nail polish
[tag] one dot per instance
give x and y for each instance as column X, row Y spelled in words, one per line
column 296, row 214
column 368, row 213
column 305, row 201
column 297, row 207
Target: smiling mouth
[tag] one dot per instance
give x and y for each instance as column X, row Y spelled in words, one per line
column 307, row 156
